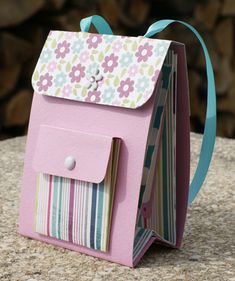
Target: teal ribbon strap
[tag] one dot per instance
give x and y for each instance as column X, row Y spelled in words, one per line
column 100, row 24
column 209, row 136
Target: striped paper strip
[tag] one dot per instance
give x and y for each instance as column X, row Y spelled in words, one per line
column 142, row 237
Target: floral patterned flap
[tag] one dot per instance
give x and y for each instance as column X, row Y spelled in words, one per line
column 104, row 69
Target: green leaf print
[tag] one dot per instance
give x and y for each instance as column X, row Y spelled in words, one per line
column 35, row 76
column 139, row 97
column 68, row 67
column 125, row 47
column 57, row 92
column 133, row 105
column 42, row 68
column 107, row 48
column 151, row 70
column 116, row 81
column 74, row 59
column 53, row 44
column 134, row 47
column 101, row 57
column 84, row 92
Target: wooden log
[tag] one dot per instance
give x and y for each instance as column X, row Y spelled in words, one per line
column 224, row 37
column 173, row 7
column 206, row 14
column 54, row 4
column 134, row 12
column 228, row 8
column 226, row 125
column 13, row 50
column 197, row 105
column 215, row 59
column 16, row 11
column 66, row 21
column 17, row 109
column 89, row 4
column 226, row 103
column 213, row 52
column 8, row 80
column 223, row 76
column 110, row 11
column 37, row 36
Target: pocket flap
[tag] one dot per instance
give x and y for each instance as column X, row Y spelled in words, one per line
column 72, row 154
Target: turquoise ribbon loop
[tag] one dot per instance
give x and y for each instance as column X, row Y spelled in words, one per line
column 100, row 24
column 209, row 136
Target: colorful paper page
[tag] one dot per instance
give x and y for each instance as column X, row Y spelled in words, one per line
column 157, row 212
column 163, row 218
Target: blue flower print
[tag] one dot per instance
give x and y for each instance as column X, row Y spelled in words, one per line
column 109, row 38
column 126, row 59
column 77, row 46
column 142, row 84
column 160, row 49
column 60, row 80
column 91, row 69
column 108, row 95
column 45, row 56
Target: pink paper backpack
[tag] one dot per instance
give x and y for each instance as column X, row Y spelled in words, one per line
column 107, row 159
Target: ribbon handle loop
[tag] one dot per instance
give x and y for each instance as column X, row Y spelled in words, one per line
column 100, row 24
column 209, row 135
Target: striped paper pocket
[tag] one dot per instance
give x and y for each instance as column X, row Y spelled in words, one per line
column 75, row 210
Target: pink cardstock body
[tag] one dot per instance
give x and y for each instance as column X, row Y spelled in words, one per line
column 97, row 125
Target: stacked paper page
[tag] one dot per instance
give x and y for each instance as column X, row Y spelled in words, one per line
column 157, row 202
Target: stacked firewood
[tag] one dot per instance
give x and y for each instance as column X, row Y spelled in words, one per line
column 24, row 25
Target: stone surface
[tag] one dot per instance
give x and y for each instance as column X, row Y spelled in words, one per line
column 208, row 250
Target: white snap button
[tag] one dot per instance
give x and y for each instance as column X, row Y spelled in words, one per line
column 92, row 79
column 70, row 162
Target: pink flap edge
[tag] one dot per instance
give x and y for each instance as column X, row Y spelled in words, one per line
column 90, row 151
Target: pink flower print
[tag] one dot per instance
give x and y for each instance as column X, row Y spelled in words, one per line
column 93, row 96
column 67, row 90
column 117, row 45
column 45, row 81
column 62, row 49
column 51, row 66
column 69, row 35
column 110, row 62
column 93, row 41
column 155, row 76
column 144, row 52
column 77, row 73
column 116, row 102
column 50, row 33
column 84, row 56
column 133, row 70
column 126, row 87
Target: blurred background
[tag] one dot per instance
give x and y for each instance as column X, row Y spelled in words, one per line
column 24, row 25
